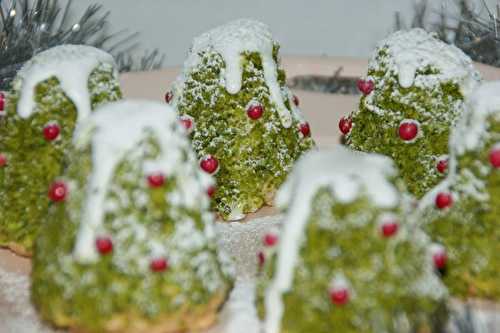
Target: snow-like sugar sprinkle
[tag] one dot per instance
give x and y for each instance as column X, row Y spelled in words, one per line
column 472, row 128
column 348, row 175
column 231, row 41
column 112, row 131
column 416, row 49
column 339, row 282
column 20, row 317
column 71, row 65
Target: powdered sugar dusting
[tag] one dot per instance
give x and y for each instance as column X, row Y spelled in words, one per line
column 71, row 65
column 15, row 295
column 231, row 41
column 347, row 174
column 472, row 128
column 416, row 49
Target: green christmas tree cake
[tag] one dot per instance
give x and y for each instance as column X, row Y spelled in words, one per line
column 412, row 95
column 347, row 259
column 128, row 244
column 463, row 212
column 51, row 94
column 246, row 126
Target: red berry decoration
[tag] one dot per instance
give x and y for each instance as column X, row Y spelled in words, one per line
column 255, row 111
column 440, row 258
column 442, row 165
column 104, row 245
column 188, row 123
column 209, row 164
column 270, row 239
column 156, row 180
column 51, row 132
column 444, row 200
column 305, row 129
column 296, row 100
column 159, row 265
column 339, row 296
column 2, row 101
column 495, row 157
column 366, row 86
column 169, row 96
column 58, row 191
column 345, row 125
column 261, row 258
column 3, row 160
column 211, row 191
column 408, row 131
column 390, row 228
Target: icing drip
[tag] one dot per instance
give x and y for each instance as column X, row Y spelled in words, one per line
column 482, row 103
column 71, row 65
column 231, row 41
column 347, row 174
column 468, row 135
column 416, row 49
column 114, row 130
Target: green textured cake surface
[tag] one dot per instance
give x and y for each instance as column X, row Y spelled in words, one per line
column 469, row 229
column 433, row 100
column 140, row 220
column 389, row 278
column 254, row 156
column 33, row 161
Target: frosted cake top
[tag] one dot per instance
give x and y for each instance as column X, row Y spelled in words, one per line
column 71, row 65
column 416, row 49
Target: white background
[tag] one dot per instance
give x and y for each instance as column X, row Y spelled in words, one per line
column 304, row 27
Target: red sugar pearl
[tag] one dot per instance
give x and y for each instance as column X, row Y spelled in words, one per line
column 211, row 191
column 255, row 111
column 58, row 191
column 159, row 265
column 296, row 100
column 408, row 131
column 3, row 160
column 305, row 129
column 188, row 123
column 270, row 239
column 51, row 132
column 444, row 200
column 440, row 258
column 495, row 157
column 390, row 228
column 366, row 86
column 2, row 101
column 209, row 164
column 104, row 245
column 345, row 125
column 442, row 165
column 339, row 296
column 261, row 257
column 156, row 180
column 169, row 96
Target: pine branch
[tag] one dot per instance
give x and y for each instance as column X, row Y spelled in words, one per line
column 477, row 36
column 28, row 27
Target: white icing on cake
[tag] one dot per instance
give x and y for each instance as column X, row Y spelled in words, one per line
column 114, row 130
column 347, row 174
column 469, row 135
column 413, row 50
column 472, row 128
column 71, row 65
column 231, row 41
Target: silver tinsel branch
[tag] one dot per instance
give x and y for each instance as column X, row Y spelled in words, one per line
column 28, row 27
column 477, row 34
